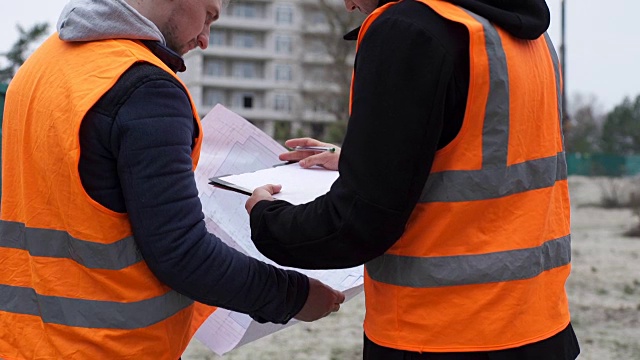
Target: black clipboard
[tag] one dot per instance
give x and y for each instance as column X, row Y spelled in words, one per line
column 219, row 183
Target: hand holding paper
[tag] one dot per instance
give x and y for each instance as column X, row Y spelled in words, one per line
column 299, row 185
column 264, row 192
column 321, row 302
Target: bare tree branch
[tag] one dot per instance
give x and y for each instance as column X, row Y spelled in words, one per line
column 332, row 93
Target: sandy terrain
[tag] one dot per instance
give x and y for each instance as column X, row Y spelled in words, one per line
column 604, row 292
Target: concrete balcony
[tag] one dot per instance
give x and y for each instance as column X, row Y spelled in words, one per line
column 315, row 86
column 243, row 23
column 229, row 82
column 317, row 117
column 317, row 59
column 269, row 114
column 264, row 114
column 256, row 53
column 256, row 114
column 316, row 29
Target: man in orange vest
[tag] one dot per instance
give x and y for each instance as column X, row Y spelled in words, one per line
column 452, row 188
column 103, row 244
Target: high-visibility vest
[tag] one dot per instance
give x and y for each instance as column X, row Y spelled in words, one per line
column 73, row 283
column 484, row 258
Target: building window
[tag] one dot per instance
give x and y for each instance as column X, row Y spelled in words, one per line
column 283, row 44
column 245, row 101
column 282, row 102
column 319, row 107
column 284, row 15
column 214, row 67
column 217, row 37
column 283, row 72
column 317, row 74
column 243, row 39
column 245, row 70
column 317, row 47
column 318, row 18
column 245, row 10
column 211, row 97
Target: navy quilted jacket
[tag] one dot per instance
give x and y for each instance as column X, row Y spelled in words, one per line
column 136, row 145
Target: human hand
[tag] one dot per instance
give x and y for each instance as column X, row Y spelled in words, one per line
column 308, row 158
column 322, row 301
column 264, row 192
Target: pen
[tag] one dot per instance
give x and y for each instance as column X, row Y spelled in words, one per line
column 315, row 148
column 285, row 163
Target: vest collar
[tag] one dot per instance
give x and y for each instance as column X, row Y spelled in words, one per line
column 168, row 56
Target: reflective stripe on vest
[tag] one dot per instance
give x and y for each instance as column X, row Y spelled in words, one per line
column 91, row 313
column 66, row 311
column 437, row 271
column 494, row 180
column 59, row 244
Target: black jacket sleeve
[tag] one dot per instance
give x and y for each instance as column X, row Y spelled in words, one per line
column 404, row 81
column 136, row 157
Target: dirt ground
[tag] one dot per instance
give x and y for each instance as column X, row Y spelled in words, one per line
column 604, row 293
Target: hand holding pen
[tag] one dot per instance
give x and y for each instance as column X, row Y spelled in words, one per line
column 309, row 152
column 315, row 148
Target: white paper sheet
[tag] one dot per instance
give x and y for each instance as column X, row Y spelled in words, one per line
column 299, row 185
column 232, row 145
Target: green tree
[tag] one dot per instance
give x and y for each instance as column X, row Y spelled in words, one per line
column 583, row 132
column 621, row 130
column 19, row 52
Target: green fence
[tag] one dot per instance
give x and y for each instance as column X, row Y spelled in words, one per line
column 603, row 164
column 3, row 91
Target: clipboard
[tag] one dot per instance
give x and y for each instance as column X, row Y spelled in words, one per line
column 299, row 185
column 219, row 183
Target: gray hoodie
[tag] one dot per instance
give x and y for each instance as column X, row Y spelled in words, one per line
column 90, row 20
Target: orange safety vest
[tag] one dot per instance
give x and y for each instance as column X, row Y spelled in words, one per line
column 484, row 258
column 73, row 284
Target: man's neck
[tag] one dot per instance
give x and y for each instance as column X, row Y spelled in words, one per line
column 157, row 11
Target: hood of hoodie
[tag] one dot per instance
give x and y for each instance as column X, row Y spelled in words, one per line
column 91, row 20
column 524, row 19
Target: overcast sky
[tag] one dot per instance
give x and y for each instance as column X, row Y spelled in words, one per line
column 603, row 42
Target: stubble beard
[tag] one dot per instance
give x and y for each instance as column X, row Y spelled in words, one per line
column 169, row 33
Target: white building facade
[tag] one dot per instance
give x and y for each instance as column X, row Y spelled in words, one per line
column 268, row 61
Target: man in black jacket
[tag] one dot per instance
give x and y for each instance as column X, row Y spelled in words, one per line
column 409, row 96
